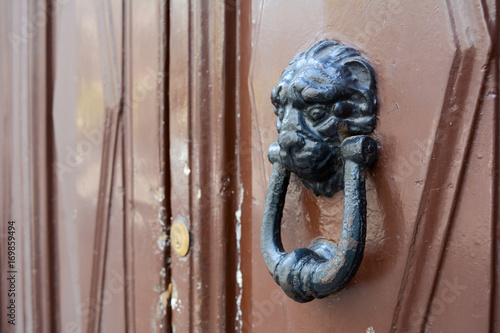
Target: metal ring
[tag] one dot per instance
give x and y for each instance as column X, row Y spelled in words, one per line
column 323, row 268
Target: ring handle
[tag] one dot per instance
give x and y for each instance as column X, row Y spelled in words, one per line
column 323, row 268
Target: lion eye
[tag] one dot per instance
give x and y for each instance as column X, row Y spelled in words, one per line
column 342, row 109
column 316, row 114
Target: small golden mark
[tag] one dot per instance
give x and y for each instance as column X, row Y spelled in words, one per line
column 179, row 236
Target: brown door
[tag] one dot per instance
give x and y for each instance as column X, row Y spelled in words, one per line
column 431, row 248
column 84, row 169
column 121, row 117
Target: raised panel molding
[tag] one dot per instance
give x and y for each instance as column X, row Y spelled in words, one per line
column 452, row 141
column 204, row 139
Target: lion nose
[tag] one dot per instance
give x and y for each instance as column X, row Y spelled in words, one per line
column 289, row 140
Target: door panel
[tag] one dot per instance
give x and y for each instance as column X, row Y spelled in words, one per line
column 83, row 96
column 112, row 74
column 147, row 180
column 26, row 167
column 428, row 87
column 205, row 191
column 429, row 215
column 86, row 99
column 465, row 278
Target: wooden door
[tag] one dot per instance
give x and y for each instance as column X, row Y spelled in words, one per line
column 431, row 255
column 122, row 116
column 84, row 164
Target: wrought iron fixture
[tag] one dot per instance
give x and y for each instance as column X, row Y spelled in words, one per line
column 326, row 104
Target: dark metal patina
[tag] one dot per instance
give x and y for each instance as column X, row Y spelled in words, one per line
column 325, row 101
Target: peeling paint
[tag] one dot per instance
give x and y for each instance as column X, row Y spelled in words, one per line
column 160, row 194
column 162, row 241
column 162, row 216
column 187, row 171
column 161, row 309
column 239, row 275
column 175, row 301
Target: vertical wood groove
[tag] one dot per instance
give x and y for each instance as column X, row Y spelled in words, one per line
column 212, row 192
column 189, row 95
column 42, row 218
column 113, row 110
column 164, row 145
column 52, row 194
column 245, row 145
column 128, row 167
column 495, row 63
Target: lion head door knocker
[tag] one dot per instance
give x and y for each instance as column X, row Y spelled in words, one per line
column 326, row 103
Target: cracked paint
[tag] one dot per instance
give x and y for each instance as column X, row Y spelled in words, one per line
column 239, row 275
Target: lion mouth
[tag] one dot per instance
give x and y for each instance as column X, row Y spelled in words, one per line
column 310, row 166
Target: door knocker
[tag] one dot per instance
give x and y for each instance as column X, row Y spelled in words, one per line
column 326, row 104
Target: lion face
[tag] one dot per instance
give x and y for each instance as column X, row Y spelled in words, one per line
column 324, row 95
column 303, row 148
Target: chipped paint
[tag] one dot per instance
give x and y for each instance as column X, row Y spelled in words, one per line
column 370, row 330
column 162, row 241
column 175, row 301
column 187, row 171
column 161, row 309
column 160, row 194
column 162, row 217
column 239, row 275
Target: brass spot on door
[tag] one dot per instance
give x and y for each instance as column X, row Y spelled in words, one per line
column 179, row 236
